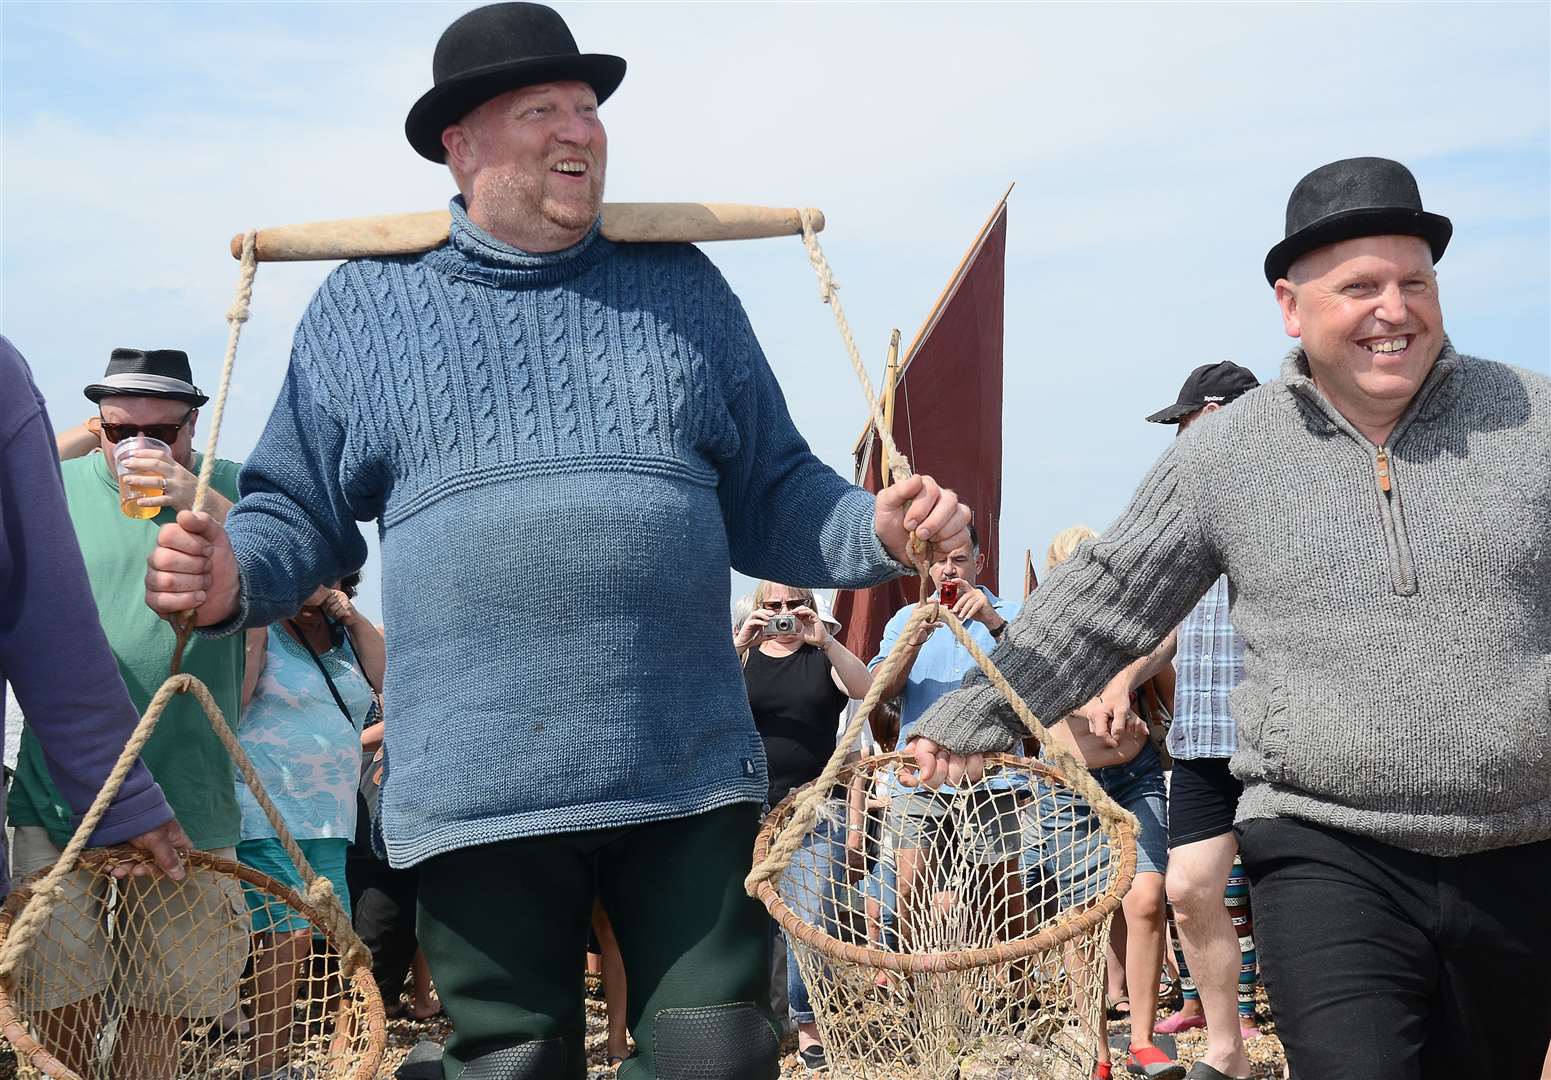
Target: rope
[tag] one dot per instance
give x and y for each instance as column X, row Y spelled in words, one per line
column 236, row 315
column 319, row 890
column 806, row 811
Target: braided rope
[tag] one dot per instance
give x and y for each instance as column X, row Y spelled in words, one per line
column 319, row 890
column 806, row 810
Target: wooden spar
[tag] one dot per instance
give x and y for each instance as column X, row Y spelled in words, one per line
column 1030, row 582
column 890, row 382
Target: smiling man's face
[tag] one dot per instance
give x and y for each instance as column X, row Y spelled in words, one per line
column 531, row 164
column 1368, row 314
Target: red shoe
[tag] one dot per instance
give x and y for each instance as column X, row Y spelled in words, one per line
column 1154, row 1064
column 1103, row 1071
column 1173, row 1025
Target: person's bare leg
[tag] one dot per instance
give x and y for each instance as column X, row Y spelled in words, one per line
column 913, row 900
column 425, row 1004
column 276, row 958
column 147, row 1046
column 1143, row 907
column 70, row 1032
column 1198, row 874
column 1115, row 963
column 614, row 989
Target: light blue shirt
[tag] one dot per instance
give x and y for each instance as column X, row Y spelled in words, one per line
column 941, row 664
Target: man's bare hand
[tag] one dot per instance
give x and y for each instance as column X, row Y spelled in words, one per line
column 918, row 504
column 1111, row 719
column 192, row 568
column 974, row 606
column 155, row 468
column 937, row 765
column 164, row 844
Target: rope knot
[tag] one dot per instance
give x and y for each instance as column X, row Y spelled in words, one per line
column 238, row 312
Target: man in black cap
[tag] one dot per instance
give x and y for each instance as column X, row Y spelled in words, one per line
column 146, row 393
column 1203, row 794
column 549, row 428
column 1383, row 515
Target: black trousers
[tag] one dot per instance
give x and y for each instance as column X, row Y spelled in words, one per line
column 1383, row 964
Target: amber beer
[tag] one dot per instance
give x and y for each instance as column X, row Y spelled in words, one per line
column 130, row 493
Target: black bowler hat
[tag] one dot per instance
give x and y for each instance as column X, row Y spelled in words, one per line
column 148, row 373
column 1364, row 196
column 497, row 48
column 1208, row 384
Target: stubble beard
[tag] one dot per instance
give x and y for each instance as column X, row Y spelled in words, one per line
column 519, row 204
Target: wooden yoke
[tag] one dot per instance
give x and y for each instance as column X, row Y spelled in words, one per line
column 410, row 234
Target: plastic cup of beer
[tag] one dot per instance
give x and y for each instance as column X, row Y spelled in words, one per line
column 129, row 493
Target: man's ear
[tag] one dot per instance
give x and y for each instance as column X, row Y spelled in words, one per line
column 980, row 562
column 460, row 148
column 1287, row 300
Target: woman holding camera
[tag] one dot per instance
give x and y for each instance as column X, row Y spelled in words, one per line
column 799, row 678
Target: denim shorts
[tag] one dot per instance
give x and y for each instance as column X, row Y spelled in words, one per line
column 1067, row 855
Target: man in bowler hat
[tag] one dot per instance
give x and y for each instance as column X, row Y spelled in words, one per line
column 1383, row 515
column 549, row 428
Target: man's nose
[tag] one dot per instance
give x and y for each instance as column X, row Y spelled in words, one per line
column 575, row 129
column 1392, row 306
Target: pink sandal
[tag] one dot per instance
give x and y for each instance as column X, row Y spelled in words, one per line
column 1173, row 1025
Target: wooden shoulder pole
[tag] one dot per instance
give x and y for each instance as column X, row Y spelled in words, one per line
column 410, row 234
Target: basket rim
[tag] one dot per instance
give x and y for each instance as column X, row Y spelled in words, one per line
column 104, row 859
column 1060, row 931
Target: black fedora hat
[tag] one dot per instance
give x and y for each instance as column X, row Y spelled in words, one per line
column 148, row 373
column 497, row 48
column 1208, row 384
column 1364, row 196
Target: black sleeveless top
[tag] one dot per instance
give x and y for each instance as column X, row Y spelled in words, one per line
column 796, row 708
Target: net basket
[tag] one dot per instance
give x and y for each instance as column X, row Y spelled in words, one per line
column 144, row 977
column 957, row 933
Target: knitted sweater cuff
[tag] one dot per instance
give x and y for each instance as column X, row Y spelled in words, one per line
column 971, row 721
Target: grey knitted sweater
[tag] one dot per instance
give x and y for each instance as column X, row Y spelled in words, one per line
column 1397, row 662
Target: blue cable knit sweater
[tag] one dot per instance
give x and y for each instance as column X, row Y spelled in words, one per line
column 564, row 453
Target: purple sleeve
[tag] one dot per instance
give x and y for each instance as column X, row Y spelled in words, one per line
column 52, row 647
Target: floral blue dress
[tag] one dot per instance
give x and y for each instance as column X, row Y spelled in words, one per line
column 307, row 754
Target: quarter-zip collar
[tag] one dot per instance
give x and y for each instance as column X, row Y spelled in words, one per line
column 1435, row 393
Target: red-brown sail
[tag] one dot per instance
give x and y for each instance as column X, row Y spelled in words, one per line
column 947, row 419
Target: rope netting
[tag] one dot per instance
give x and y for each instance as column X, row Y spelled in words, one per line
column 958, row 932
column 107, row 976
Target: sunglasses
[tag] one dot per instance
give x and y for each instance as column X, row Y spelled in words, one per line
column 167, row 433
column 786, row 605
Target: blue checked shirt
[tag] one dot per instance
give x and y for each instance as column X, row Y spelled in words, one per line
column 1208, row 664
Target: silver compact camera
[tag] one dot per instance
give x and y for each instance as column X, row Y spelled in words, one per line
column 784, row 623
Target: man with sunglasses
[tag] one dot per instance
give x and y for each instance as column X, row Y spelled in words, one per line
column 148, row 393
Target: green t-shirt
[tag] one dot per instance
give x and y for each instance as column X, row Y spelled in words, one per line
column 183, row 754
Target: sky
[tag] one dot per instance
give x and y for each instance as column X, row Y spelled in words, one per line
column 1153, row 147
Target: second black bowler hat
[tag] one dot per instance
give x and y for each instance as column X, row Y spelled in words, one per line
column 1365, row 196
column 497, row 48
column 1208, row 384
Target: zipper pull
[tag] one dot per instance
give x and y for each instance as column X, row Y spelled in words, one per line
column 1383, row 470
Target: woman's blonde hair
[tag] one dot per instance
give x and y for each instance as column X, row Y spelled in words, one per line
column 762, row 593
column 1065, row 543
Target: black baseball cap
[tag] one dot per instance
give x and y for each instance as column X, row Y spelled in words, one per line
column 1208, row 384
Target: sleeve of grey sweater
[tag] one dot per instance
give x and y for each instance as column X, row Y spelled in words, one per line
column 52, row 647
column 1115, row 599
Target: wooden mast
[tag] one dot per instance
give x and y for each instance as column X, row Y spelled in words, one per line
column 890, row 383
